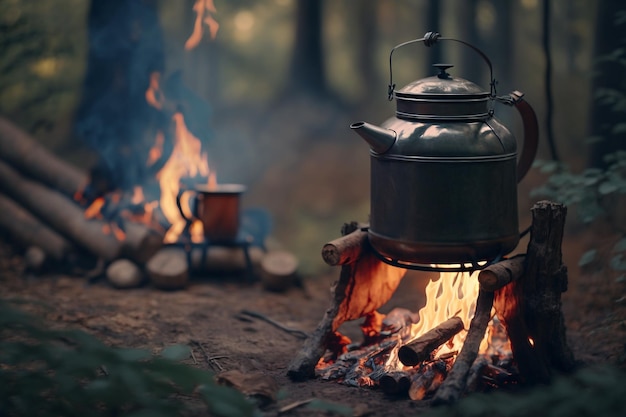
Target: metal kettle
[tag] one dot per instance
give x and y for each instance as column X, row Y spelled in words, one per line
column 444, row 171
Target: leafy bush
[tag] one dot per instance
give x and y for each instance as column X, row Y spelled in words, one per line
column 594, row 193
column 589, row 392
column 45, row 372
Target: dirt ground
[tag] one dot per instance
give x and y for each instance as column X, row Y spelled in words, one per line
column 206, row 316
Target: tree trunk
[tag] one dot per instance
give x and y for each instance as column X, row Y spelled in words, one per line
column 366, row 28
column 307, row 72
column 433, row 24
column 471, row 67
column 114, row 118
column 609, row 37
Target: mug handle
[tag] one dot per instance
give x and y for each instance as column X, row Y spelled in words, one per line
column 180, row 205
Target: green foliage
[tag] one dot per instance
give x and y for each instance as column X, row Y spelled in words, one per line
column 596, row 192
column 589, row 392
column 593, row 192
column 48, row 372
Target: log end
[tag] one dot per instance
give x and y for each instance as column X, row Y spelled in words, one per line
column 330, row 254
column 278, row 270
column 168, row 269
column 408, row 356
column 124, row 274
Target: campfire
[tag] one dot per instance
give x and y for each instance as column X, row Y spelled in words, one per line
column 498, row 327
column 160, row 217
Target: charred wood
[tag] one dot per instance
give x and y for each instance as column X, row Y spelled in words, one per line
column 454, row 385
column 420, row 349
column 396, row 320
column 475, row 374
column 395, row 383
column 427, row 380
column 363, row 287
column 542, row 295
column 531, row 306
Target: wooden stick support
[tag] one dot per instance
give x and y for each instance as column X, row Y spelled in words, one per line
column 502, row 273
column 531, row 306
column 346, row 249
column 454, row 385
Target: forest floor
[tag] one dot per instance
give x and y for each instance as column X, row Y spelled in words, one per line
column 314, row 178
column 208, row 313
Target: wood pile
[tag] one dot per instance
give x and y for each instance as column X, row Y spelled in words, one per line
column 41, row 214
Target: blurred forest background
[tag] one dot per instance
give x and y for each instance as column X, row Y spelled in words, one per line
column 283, row 79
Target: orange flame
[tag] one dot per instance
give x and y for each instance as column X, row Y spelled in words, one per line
column 186, row 161
column 453, row 294
column 203, row 9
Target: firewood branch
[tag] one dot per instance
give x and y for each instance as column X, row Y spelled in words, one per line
column 502, row 273
column 346, row 249
column 420, row 349
column 454, row 385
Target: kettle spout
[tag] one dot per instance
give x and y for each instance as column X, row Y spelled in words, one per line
column 379, row 139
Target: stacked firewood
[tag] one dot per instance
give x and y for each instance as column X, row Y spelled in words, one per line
column 40, row 213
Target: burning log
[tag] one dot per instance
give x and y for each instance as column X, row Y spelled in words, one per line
column 420, row 349
column 475, row 373
column 346, row 249
column 427, row 381
column 502, row 273
column 454, row 385
column 395, row 383
column 396, row 320
column 20, row 150
column 27, row 230
column 363, row 286
column 67, row 218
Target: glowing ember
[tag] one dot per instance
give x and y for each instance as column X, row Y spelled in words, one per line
column 451, row 296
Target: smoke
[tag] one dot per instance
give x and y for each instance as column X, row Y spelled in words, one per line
column 125, row 47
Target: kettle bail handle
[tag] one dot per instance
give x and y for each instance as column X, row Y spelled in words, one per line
column 429, row 39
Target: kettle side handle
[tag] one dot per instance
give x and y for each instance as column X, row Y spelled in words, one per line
column 531, row 130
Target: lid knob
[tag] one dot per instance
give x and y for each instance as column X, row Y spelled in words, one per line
column 442, row 70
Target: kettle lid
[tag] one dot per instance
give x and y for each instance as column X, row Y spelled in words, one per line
column 442, row 97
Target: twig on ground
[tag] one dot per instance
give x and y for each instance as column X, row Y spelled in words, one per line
column 195, row 361
column 211, row 360
column 294, row 405
column 295, row 332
